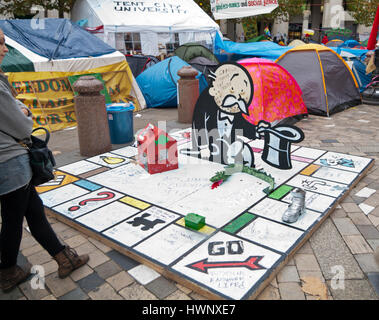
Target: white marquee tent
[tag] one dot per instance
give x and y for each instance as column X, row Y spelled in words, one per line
column 150, row 27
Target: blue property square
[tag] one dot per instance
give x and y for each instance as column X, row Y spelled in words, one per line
column 87, row 185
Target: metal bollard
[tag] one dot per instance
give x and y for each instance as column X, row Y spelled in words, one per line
column 188, row 93
column 91, row 117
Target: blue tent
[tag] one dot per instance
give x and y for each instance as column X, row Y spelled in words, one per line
column 359, row 70
column 358, row 67
column 159, row 82
column 55, row 38
column 266, row 49
column 350, row 44
column 355, row 52
column 356, row 56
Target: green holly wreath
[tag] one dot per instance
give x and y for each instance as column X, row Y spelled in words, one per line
column 222, row 176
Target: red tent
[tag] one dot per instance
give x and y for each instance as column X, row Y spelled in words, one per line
column 277, row 95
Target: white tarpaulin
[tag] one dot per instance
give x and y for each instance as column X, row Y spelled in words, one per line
column 230, row 9
column 146, row 16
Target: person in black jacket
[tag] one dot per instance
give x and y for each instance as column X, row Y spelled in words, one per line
column 18, row 197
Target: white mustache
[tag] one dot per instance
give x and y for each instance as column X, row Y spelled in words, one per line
column 230, row 100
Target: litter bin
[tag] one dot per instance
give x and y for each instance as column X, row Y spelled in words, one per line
column 120, row 120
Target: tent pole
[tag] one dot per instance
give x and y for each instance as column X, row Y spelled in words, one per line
column 323, row 82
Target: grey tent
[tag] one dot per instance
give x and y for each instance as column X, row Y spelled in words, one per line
column 139, row 63
column 204, row 65
column 327, row 82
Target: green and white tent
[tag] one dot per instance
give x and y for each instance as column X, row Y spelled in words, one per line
column 41, row 61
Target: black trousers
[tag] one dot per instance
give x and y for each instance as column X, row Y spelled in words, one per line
column 24, row 202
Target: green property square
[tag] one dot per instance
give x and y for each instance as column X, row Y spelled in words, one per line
column 238, row 223
column 280, row 192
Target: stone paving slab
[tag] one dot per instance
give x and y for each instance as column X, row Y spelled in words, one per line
column 81, row 273
column 354, row 290
column 369, row 231
column 108, row 269
column 177, row 295
column 76, row 294
column 120, row 280
column 330, row 250
column 373, row 243
column 104, row 292
column 357, row 244
column 161, row 287
column 136, row 292
column 346, row 227
column 288, row 274
column 359, row 218
column 90, row 282
column 367, row 263
column 269, row 293
column 143, row 274
column 373, row 277
column 59, row 287
column 124, row 261
column 291, row 291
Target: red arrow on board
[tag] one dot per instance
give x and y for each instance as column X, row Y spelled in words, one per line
column 250, row 263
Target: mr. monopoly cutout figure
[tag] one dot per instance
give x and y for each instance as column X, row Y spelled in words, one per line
column 218, row 123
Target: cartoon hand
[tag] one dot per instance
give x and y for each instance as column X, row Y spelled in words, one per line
column 234, row 149
column 262, row 127
column 205, row 153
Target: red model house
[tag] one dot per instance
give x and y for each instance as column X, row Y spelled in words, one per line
column 157, row 151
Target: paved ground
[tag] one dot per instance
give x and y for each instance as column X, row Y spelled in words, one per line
column 342, row 248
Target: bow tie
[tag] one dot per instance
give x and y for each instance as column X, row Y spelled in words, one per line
column 224, row 116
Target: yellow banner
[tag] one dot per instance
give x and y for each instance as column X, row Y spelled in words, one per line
column 51, row 99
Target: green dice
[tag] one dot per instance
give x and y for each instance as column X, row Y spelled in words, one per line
column 194, row 221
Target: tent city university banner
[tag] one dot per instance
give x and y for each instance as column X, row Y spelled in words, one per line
column 229, row 9
column 148, row 6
